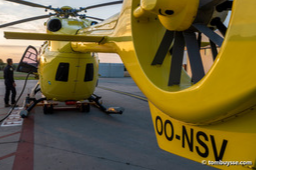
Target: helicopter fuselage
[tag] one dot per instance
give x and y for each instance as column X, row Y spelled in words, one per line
column 63, row 73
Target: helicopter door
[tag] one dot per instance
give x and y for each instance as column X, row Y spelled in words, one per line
column 29, row 63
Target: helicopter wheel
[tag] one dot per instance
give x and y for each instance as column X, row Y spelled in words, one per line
column 85, row 108
column 48, row 109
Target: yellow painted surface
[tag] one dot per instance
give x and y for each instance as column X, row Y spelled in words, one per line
column 174, row 15
column 226, row 145
column 219, row 110
column 212, row 120
column 56, row 52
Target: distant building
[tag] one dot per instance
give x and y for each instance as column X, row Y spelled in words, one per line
column 111, row 70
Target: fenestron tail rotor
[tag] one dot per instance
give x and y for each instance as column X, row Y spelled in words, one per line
column 65, row 11
column 191, row 39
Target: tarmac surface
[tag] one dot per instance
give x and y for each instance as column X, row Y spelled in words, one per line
column 72, row 140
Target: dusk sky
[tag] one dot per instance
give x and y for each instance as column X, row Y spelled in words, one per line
column 10, row 12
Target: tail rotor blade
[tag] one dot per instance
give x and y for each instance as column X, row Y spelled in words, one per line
column 163, row 48
column 194, row 56
column 177, row 59
column 214, row 50
column 220, row 25
column 209, row 33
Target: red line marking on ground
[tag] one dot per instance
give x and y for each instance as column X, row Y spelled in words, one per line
column 24, row 159
column 8, row 155
column 1, row 137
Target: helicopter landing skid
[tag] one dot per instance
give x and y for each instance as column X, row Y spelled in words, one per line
column 48, row 107
column 111, row 110
column 29, row 104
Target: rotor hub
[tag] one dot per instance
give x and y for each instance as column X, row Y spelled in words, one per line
column 174, row 15
column 66, row 8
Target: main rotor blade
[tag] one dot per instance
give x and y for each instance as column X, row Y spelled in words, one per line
column 177, row 59
column 101, row 5
column 194, row 56
column 29, row 4
column 99, row 19
column 25, row 20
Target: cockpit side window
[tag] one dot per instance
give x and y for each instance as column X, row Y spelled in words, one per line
column 62, row 72
column 89, row 73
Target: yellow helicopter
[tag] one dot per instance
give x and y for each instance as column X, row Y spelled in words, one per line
column 209, row 117
column 64, row 75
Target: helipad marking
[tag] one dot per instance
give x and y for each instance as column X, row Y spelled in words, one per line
column 14, row 119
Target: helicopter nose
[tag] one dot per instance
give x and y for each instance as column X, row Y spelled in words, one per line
column 54, row 25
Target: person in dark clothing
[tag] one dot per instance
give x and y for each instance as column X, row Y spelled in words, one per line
column 9, row 83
